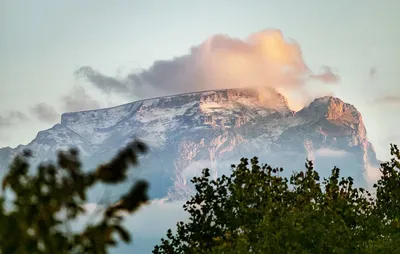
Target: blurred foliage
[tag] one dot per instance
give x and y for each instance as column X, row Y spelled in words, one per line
column 255, row 210
column 46, row 201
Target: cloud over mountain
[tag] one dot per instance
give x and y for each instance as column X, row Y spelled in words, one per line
column 264, row 59
column 45, row 113
column 78, row 100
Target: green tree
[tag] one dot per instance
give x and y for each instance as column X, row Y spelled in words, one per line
column 47, row 200
column 255, row 210
column 388, row 206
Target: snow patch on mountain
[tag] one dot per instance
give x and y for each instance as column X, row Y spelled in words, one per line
column 215, row 128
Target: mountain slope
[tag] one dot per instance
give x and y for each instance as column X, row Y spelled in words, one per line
column 213, row 129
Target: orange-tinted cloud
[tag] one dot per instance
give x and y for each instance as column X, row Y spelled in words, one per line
column 264, row 59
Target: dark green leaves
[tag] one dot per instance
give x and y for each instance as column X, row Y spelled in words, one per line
column 255, row 210
column 34, row 224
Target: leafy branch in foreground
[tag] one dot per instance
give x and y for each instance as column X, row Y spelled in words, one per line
column 255, row 210
column 55, row 194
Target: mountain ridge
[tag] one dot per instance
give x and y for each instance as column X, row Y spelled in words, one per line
column 189, row 131
column 66, row 114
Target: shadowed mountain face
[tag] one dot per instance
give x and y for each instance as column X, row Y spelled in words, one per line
column 213, row 129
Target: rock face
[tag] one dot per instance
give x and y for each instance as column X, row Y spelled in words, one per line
column 213, row 129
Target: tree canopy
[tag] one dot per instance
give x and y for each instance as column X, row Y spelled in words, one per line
column 46, row 200
column 255, row 210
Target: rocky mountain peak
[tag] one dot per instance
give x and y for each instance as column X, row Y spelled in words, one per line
column 334, row 109
column 336, row 112
column 334, row 117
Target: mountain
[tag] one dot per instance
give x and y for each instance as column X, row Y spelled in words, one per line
column 214, row 129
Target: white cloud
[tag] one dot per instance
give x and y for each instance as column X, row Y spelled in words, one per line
column 327, row 152
column 195, row 168
column 373, row 174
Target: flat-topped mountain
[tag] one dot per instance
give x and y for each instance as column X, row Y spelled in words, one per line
column 188, row 132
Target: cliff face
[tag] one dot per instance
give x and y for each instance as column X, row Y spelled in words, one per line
column 213, row 129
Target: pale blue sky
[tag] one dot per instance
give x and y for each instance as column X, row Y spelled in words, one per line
column 43, row 42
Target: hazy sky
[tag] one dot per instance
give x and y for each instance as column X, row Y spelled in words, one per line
column 43, row 44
